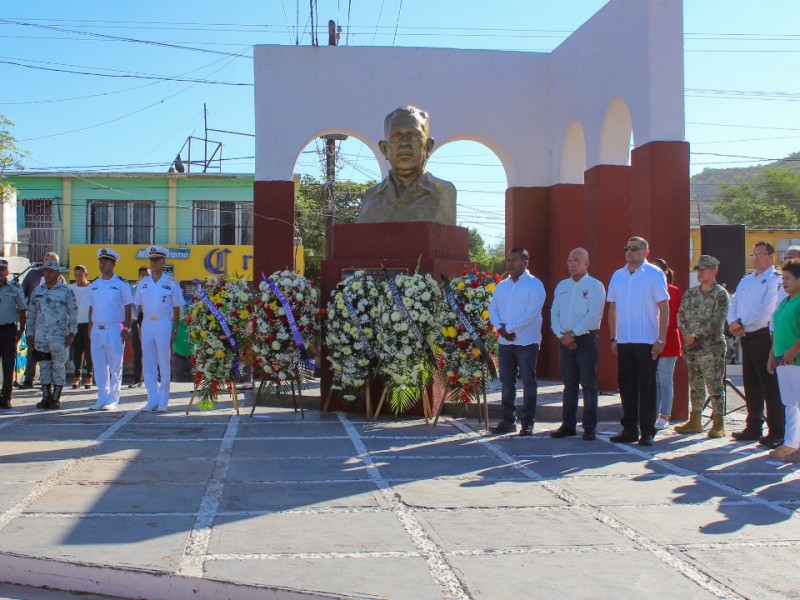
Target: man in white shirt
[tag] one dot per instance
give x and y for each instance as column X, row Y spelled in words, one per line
column 749, row 314
column 638, row 315
column 516, row 313
column 159, row 300
column 575, row 318
column 110, row 303
column 81, row 350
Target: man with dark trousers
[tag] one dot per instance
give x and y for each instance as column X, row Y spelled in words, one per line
column 749, row 315
column 12, row 313
column 516, row 313
column 638, row 315
column 575, row 319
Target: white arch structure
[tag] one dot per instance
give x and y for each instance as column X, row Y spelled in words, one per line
column 621, row 71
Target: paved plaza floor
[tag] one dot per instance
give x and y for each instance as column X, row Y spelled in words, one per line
column 213, row 505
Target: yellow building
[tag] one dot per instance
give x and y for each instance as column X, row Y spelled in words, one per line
column 780, row 238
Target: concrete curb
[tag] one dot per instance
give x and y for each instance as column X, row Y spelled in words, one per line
column 118, row 582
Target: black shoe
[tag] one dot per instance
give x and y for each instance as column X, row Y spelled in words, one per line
column 503, row 427
column 5, row 406
column 589, row 436
column 563, row 432
column 646, row 440
column 746, row 435
column 774, row 443
column 26, row 385
column 135, row 384
column 527, row 430
column 624, row 437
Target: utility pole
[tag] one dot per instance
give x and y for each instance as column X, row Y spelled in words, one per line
column 329, row 189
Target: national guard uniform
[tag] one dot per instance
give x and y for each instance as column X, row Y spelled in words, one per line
column 52, row 319
column 12, row 309
column 157, row 301
column 702, row 314
column 110, row 322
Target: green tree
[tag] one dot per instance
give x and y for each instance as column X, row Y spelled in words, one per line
column 477, row 249
column 770, row 202
column 10, row 154
column 496, row 257
column 309, row 214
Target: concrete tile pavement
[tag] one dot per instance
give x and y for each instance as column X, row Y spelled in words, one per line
column 211, row 505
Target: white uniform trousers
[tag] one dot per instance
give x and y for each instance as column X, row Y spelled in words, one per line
column 156, row 355
column 108, row 350
column 789, row 382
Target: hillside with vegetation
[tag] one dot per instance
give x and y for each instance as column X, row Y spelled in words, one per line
column 705, row 187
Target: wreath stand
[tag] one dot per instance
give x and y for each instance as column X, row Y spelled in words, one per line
column 426, row 405
column 232, row 391
column 295, row 394
column 367, row 400
column 481, row 395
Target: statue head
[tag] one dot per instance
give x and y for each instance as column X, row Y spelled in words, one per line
column 408, row 143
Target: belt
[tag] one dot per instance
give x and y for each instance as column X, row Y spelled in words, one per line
column 757, row 332
column 8, row 324
column 593, row 332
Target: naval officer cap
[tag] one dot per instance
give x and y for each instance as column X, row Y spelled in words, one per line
column 52, row 265
column 157, row 252
column 108, row 253
column 707, row 261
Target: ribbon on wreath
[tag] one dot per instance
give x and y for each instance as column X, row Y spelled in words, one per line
column 468, row 327
column 357, row 322
column 215, row 312
column 407, row 317
column 287, row 308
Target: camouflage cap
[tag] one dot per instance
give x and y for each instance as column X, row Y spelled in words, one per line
column 707, row 261
column 52, row 265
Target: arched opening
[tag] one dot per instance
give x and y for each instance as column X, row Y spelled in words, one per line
column 481, row 182
column 616, row 134
column 573, row 155
column 331, row 174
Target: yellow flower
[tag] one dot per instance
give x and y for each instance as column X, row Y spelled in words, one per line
column 219, row 354
column 244, row 314
column 451, row 332
column 203, row 334
column 485, row 314
column 476, row 353
column 460, row 285
column 490, row 287
column 444, row 331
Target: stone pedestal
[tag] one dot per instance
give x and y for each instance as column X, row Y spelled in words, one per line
column 430, row 247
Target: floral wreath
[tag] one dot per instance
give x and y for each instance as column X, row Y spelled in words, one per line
column 352, row 333
column 284, row 326
column 462, row 366
column 220, row 303
column 409, row 306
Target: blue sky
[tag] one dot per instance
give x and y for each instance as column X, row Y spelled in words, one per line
column 84, row 81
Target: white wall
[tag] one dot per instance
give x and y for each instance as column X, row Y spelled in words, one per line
column 518, row 104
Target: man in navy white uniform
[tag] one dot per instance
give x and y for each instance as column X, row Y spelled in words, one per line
column 749, row 314
column 516, row 313
column 575, row 318
column 110, row 302
column 638, row 316
column 159, row 300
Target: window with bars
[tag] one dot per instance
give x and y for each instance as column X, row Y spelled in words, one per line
column 229, row 223
column 121, row 222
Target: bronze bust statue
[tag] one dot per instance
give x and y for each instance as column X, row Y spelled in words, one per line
column 409, row 192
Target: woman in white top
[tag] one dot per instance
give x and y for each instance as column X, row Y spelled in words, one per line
column 81, row 347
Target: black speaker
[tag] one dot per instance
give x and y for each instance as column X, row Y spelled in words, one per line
column 726, row 243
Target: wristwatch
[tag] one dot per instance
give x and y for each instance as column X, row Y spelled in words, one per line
column 613, row 340
column 661, row 341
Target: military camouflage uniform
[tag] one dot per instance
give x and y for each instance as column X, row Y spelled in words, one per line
column 702, row 314
column 52, row 316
